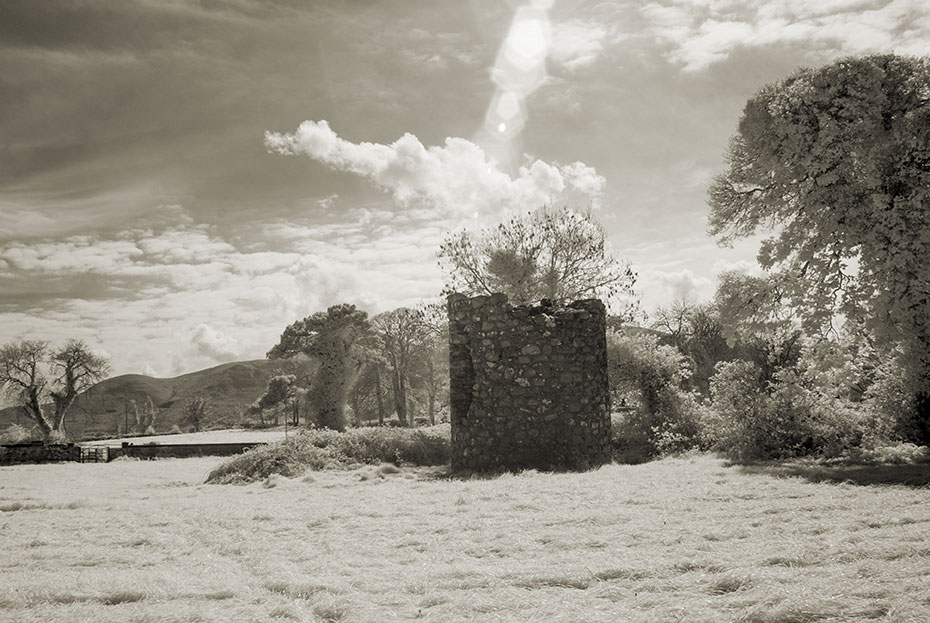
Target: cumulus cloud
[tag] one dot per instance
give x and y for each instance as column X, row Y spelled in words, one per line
column 577, row 43
column 73, row 254
column 703, row 32
column 662, row 287
column 215, row 344
column 140, row 281
column 457, row 178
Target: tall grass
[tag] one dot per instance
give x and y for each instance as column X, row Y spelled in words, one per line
column 322, row 449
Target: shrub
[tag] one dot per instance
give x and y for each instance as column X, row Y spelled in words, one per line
column 891, row 405
column 328, row 449
column 786, row 417
column 14, row 433
column 664, row 419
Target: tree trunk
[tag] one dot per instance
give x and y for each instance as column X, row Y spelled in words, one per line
column 400, row 397
column 34, row 410
column 432, row 407
column 378, row 395
column 63, row 402
column 330, row 388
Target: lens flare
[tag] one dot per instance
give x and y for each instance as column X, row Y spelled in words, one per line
column 520, row 69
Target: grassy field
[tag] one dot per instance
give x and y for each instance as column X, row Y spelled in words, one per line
column 212, row 436
column 685, row 540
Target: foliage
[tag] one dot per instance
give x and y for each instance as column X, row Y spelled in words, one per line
column 332, row 337
column 26, row 367
column 282, row 394
column 647, row 377
column 836, row 160
column 327, row 449
column 790, row 415
column 14, row 433
column 892, row 409
column 403, row 334
column 552, row 253
column 699, row 333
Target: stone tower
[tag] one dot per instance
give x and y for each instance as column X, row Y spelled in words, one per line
column 528, row 384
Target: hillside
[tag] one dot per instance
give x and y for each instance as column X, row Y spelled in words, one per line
column 105, row 407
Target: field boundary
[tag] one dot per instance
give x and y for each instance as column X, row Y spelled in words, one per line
column 37, row 452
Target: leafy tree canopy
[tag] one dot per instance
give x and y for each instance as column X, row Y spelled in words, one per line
column 552, row 253
column 836, row 161
column 334, row 338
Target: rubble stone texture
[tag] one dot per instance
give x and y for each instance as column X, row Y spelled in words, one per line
column 528, row 384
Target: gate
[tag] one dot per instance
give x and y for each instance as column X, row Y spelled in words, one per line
column 95, row 454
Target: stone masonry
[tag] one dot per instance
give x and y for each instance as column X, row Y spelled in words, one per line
column 528, row 384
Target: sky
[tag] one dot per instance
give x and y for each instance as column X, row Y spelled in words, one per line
column 180, row 179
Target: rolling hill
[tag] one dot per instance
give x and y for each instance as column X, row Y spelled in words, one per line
column 105, row 407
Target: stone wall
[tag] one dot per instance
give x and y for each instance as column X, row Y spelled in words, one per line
column 38, row 452
column 528, row 384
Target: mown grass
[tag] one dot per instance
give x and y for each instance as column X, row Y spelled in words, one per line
column 686, row 539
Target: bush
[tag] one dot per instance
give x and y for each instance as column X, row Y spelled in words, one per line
column 328, row 449
column 891, row 405
column 14, row 433
column 785, row 418
column 664, row 419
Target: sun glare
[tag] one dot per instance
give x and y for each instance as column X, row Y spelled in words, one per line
column 528, row 41
column 519, row 70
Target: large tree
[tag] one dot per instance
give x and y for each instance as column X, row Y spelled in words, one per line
column 32, row 373
column 551, row 253
column 332, row 338
column 403, row 334
column 836, row 161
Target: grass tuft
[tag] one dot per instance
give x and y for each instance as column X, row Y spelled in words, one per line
column 787, row 561
column 296, row 591
column 619, row 574
column 329, row 613
column 789, row 613
column 121, row 597
column 728, row 584
column 554, row 582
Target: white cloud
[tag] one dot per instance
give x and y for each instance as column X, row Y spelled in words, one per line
column 664, row 287
column 233, row 302
column 148, row 370
column 703, row 32
column 327, row 202
column 455, row 179
column 75, row 254
column 214, row 344
column 577, row 44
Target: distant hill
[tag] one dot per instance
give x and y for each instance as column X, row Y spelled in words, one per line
column 103, row 408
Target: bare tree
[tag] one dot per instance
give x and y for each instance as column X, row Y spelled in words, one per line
column 21, row 378
column 195, row 411
column 73, row 368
